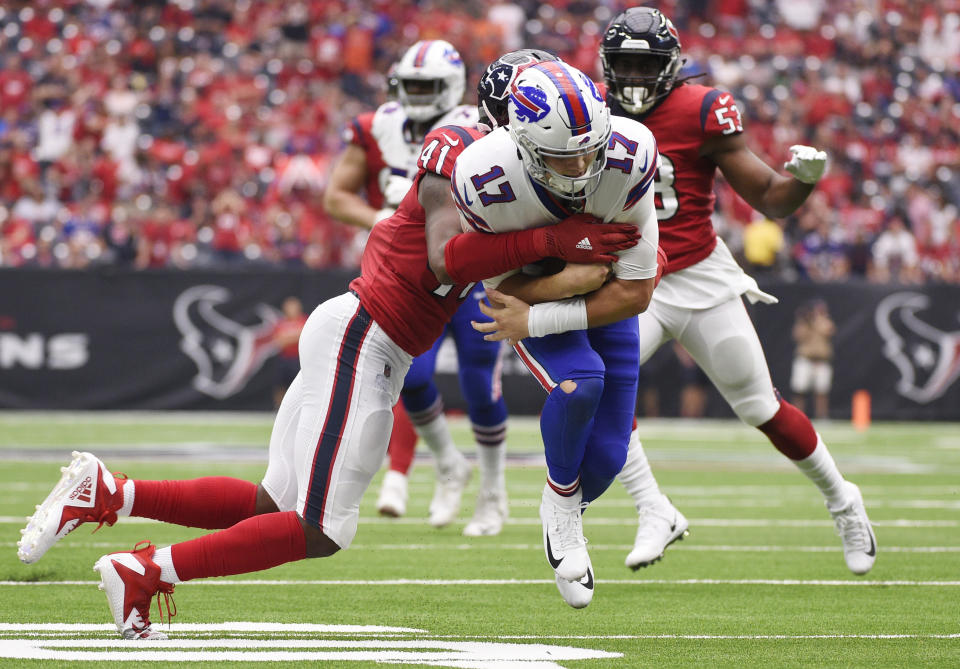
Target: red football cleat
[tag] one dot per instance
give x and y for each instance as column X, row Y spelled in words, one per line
column 86, row 493
column 130, row 579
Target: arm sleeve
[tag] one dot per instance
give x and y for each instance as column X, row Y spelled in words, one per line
column 719, row 114
column 442, row 146
column 358, row 130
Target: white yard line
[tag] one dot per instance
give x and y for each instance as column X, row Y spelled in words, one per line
column 517, row 581
column 629, row 521
column 487, row 546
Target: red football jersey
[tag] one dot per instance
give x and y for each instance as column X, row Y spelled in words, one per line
column 396, row 285
column 689, row 116
column 359, row 133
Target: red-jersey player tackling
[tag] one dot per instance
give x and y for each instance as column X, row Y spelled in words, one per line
column 381, row 158
column 698, row 302
column 355, row 350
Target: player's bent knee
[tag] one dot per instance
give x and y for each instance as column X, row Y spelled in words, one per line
column 568, row 386
column 318, row 544
column 756, row 411
column 731, row 366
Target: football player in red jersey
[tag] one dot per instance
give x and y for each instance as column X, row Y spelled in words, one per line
column 698, row 302
column 382, row 151
column 332, row 429
column 381, row 158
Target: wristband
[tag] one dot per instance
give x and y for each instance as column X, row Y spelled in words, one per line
column 557, row 317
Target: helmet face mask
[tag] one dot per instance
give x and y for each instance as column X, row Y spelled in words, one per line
column 430, row 79
column 561, row 126
column 641, row 58
column 493, row 89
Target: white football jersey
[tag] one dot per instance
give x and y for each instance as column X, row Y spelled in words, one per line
column 494, row 193
column 398, row 148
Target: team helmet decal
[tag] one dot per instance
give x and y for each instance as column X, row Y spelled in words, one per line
column 531, row 103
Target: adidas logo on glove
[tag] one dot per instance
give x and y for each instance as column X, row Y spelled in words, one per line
column 585, row 244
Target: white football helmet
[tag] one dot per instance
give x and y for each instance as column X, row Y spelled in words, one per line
column 436, row 62
column 556, row 112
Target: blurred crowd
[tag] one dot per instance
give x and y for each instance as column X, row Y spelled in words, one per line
column 199, row 133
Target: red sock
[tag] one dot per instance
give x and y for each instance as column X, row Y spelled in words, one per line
column 254, row 544
column 791, row 432
column 213, row 502
column 403, row 441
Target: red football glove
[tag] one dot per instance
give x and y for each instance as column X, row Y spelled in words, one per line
column 582, row 238
column 662, row 263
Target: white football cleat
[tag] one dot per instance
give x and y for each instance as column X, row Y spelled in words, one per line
column 658, row 526
column 393, row 495
column 490, row 514
column 853, row 526
column 130, row 579
column 86, row 493
column 577, row 593
column 563, row 539
column 451, row 481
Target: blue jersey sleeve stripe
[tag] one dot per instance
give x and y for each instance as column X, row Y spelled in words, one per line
column 359, row 137
column 461, row 133
column 705, row 107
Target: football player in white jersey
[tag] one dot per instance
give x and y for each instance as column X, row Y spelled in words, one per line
column 564, row 155
column 381, row 156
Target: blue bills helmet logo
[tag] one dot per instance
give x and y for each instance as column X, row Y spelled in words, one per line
column 531, row 103
column 452, row 56
column 592, row 87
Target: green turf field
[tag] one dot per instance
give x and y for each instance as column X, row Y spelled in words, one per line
column 760, row 581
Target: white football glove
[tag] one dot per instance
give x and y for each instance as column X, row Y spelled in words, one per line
column 806, row 164
column 395, row 190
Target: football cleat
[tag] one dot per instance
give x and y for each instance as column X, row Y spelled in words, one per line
column 563, row 539
column 451, row 481
column 393, row 495
column 86, row 493
column 489, row 515
column 658, row 526
column 577, row 593
column 853, row 526
column 130, row 579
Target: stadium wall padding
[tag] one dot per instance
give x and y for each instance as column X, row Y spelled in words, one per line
column 117, row 339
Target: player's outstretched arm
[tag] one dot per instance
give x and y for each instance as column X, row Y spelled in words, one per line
column 462, row 257
column 341, row 198
column 774, row 195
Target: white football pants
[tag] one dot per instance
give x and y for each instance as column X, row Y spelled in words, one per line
column 724, row 343
column 333, row 426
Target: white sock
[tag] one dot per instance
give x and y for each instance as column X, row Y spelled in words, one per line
column 164, row 559
column 436, row 435
column 563, row 501
column 820, row 468
column 636, row 476
column 492, row 464
column 128, row 495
